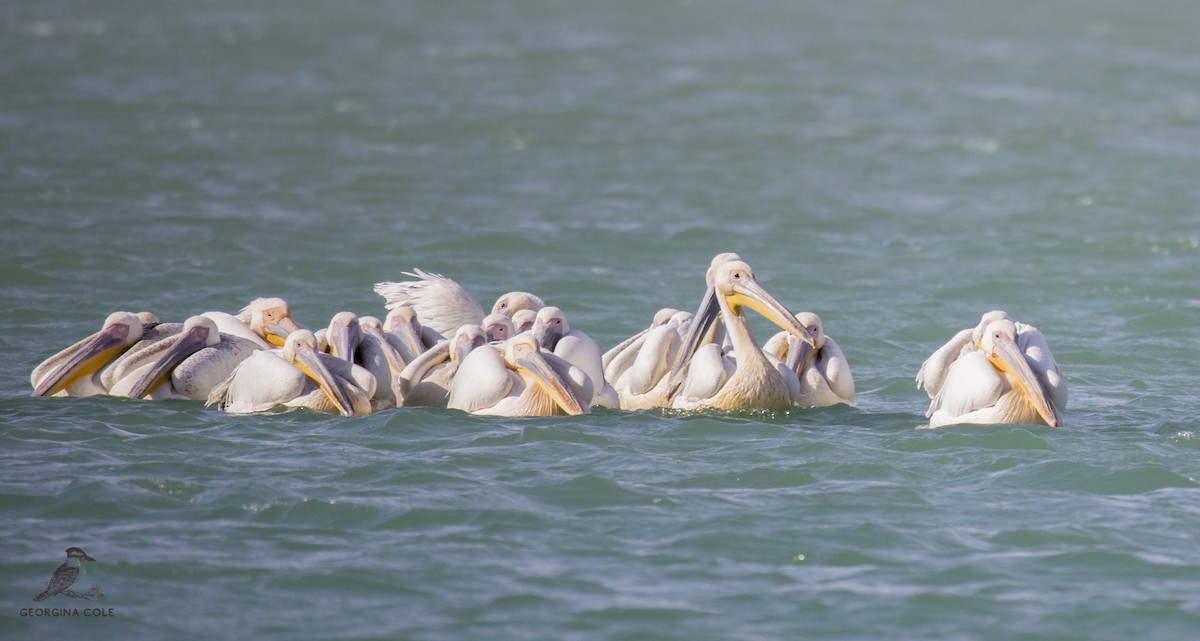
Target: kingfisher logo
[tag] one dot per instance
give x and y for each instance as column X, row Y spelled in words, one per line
column 65, row 576
column 62, row 584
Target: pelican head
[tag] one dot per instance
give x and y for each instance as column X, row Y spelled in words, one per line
column 549, row 327
column 120, row 331
column 999, row 344
column 198, row 332
column 402, row 323
column 270, row 318
column 663, row 316
column 679, row 319
column 523, row 355
column 466, row 338
column 708, row 313
column 371, row 323
column 523, row 319
column 400, row 316
column 800, row 353
column 988, row 319
column 736, row 286
column 498, row 327
column 515, row 301
column 344, row 335
column 300, row 349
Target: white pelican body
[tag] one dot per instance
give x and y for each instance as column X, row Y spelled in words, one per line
column 377, row 354
column 641, row 370
column 442, row 304
column 295, row 376
column 823, row 374
column 187, row 365
column 517, row 379
column 621, row 356
column 748, row 380
column 75, row 371
column 933, row 371
column 1003, row 372
column 554, row 335
column 426, row 380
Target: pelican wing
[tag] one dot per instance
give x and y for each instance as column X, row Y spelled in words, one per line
column 440, row 303
column 707, row 372
column 1036, row 349
column 651, row 362
column 621, row 355
column 198, row 375
column 934, row 370
column 971, row 384
column 482, row 381
column 261, row 382
column 582, row 351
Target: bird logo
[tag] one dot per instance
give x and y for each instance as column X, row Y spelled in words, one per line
column 65, row 576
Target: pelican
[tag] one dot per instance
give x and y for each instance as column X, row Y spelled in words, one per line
column 444, row 305
column 554, row 335
column 823, row 374
column 295, row 376
column 269, row 318
column 933, row 371
column 74, row 370
column 426, row 380
column 640, row 370
column 189, row 364
column 517, row 379
column 749, row 380
column 344, row 337
column 999, row 372
column 617, row 359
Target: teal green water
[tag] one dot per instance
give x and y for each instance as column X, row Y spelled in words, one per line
column 898, row 168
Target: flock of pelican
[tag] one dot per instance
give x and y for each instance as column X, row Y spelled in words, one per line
column 437, row 347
